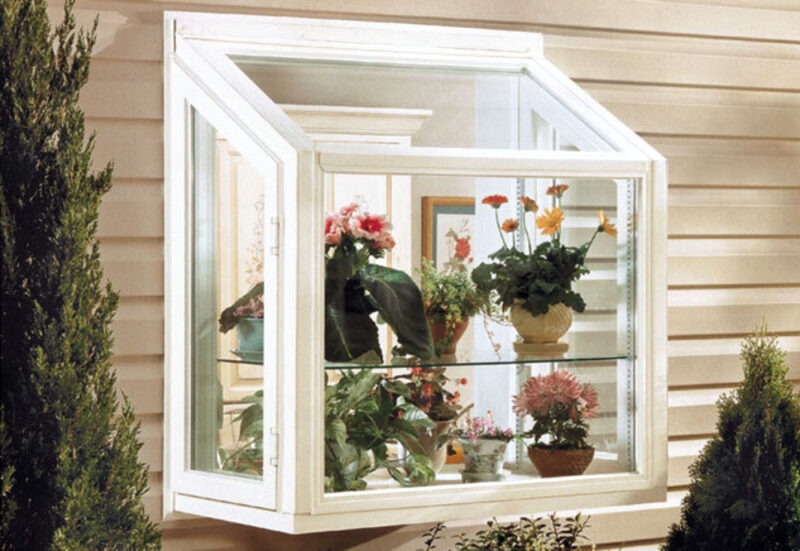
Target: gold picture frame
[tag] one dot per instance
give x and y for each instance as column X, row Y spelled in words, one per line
column 433, row 210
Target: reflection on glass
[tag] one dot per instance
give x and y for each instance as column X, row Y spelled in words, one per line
column 227, row 306
column 466, row 108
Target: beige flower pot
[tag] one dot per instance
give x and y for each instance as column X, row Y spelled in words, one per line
column 544, row 329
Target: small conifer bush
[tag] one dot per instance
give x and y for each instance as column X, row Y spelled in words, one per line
column 745, row 489
column 69, row 467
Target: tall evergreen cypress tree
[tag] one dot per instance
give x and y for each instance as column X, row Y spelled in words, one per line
column 70, row 470
column 745, row 490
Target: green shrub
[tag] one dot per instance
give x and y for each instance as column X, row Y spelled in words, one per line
column 540, row 534
column 745, row 489
column 71, row 478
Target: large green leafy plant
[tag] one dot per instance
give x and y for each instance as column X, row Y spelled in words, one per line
column 362, row 415
column 71, row 473
column 355, row 289
column 745, row 489
column 543, row 276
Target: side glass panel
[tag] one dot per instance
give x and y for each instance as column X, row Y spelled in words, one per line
column 450, row 221
column 232, row 330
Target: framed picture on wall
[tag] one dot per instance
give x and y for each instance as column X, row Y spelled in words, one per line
column 448, row 225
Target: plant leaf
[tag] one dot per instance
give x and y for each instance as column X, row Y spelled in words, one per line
column 349, row 335
column 399, row 302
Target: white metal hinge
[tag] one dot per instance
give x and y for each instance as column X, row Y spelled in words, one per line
column 273, row 446
column 275, row 221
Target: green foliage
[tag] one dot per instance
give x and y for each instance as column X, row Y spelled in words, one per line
column 745, row 490
column 7, row 504
column 449, row 298
column 540, row 279
column 248, row 457
column 361, row 417
column 355, row 289
column 550, row 534
column 71, row 475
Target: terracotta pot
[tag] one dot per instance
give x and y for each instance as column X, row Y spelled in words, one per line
column 441, row 331
column 483, row 459
column 560, row 462
column 427, row 444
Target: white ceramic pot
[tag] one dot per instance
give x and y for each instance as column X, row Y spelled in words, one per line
column 544, row 328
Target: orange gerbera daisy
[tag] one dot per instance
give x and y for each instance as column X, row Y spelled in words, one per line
column 557, row 190
column 528, row 204
column 605, row 224
column 510, row 225
column 494, row 201
column 550, row 221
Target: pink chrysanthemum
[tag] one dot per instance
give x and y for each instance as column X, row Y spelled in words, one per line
column 541, row 394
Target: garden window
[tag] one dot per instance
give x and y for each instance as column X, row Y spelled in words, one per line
column 311, row 166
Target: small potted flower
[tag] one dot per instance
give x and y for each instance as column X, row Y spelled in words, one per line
column 484, row 445
column 559, row 406
column 247, row 316
column 427, row 389
column 536, row 286
column 450, row 299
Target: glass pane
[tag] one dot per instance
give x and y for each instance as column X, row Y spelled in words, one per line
column 228, row 296
column 397, row 220
column 460, row 107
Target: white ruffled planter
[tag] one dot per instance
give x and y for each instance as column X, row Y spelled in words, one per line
column 541, row 333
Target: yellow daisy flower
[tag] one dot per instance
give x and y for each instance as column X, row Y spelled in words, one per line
column 550, row 221
column 605, row 224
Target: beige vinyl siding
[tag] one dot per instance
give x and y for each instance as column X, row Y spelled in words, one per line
column 714, row 85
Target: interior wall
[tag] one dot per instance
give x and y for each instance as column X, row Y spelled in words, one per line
column 712, row 84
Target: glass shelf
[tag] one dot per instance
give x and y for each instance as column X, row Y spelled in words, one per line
column 586, row 347
column 582, row 348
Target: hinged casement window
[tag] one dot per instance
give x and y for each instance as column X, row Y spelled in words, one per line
column 271, row 123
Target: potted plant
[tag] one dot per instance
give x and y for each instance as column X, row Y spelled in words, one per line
column 450, row 299
column 559, row 406
column 248, row 453
column 361, row 417
column 355, row 289
column 247, row 316
column 536, row 287
column 426, row 389
column 484, row 445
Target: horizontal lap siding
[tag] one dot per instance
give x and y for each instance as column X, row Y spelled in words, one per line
column 714, row 86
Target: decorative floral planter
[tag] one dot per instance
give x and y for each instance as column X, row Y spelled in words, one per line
column 250, row 335
column 541, row 333
column 551, row 463
column 483, row 459
column 441, row 331
column 427, row 444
